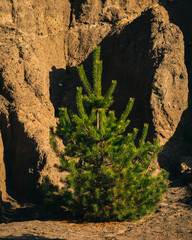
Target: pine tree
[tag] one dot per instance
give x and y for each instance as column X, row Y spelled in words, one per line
column 109, row 175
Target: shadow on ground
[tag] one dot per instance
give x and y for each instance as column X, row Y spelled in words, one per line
column 30, row 237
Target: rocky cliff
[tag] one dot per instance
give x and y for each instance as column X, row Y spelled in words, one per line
column 41, row 44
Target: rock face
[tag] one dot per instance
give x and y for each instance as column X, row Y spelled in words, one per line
column 147, row 58
column 42, row 41
column 185, row 169
column 32, row 41
column 2, row 171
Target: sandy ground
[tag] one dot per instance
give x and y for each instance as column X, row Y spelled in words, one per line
column 172, row 220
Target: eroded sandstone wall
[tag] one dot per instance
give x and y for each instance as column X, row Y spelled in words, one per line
column 32, row 41
column 2, row 170
column 42, row 41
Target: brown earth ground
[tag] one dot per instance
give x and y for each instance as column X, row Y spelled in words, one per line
column 172, row 220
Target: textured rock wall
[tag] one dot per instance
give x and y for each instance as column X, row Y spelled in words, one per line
column 32, row 41
column 4, row 139
column 2, row 170
column 95, row 11
column 42, row 41
column 147, row 59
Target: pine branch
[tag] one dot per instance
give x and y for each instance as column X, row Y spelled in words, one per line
column 96, row 56
column 77, row 120
column 97, row 71
column 84, row 80
column 64, row 118
column 128, row 109
column 92, row 116
column 108, row 95
column 80, row 107
column 121, row 126
column 143, row 135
